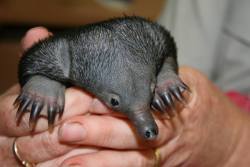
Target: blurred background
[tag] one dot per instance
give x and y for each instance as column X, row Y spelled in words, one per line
column 16, row 17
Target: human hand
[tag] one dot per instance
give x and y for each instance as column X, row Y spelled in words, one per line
column 208, row 131
column 38, row 146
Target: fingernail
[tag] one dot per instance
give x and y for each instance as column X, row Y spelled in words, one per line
column 72, row 132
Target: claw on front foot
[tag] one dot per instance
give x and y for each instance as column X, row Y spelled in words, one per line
column 40, row 96
column 36, row 109
column 167, row 93
column 28, row 102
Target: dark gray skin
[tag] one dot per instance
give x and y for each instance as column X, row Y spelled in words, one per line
column 129, row 63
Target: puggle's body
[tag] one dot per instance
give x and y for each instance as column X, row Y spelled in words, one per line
column 128, row 63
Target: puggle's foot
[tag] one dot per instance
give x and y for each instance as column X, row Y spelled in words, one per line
column 165, row 94
column 40, row 94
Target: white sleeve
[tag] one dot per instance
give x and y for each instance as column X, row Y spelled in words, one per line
column 214, row 37
column 233, row 49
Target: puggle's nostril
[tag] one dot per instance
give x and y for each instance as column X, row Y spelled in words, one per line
column 151, row 134
column 147, row 134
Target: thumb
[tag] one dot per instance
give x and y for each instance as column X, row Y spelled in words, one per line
column 33, row 36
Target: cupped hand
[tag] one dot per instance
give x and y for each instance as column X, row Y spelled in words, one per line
column 205, row 132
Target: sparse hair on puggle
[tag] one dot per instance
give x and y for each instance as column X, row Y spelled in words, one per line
column 129, row 63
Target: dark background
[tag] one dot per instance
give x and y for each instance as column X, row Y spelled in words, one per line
column 17, row 16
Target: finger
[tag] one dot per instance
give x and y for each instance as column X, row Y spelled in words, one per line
column 59, row 160
column 113, row 158
column 41, row 147
column 12, row 90
column 76, row 103
column 110, row 132
column 46, row 146
column 33, row 36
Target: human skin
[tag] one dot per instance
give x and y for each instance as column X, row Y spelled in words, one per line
column 209, row 131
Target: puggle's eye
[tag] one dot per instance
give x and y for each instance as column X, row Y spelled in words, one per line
column 114, row 102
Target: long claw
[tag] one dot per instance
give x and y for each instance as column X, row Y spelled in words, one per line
column 167, row 99
column 19, row 108
column 35, row 111
column 51, row 116
column 183, row 87
column 16, row 102
column 61, row 108
column 157, row 104
column 178, row 95
column 153, row 107
column 22, row 108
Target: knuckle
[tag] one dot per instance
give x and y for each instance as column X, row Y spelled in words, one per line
column 107, row 135
column 49, row 145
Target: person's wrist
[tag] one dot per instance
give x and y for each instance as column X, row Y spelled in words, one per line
column 240, row 155
column 225, row 144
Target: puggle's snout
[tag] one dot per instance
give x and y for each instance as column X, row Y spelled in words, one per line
column 151, row 133
column 145, row 124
